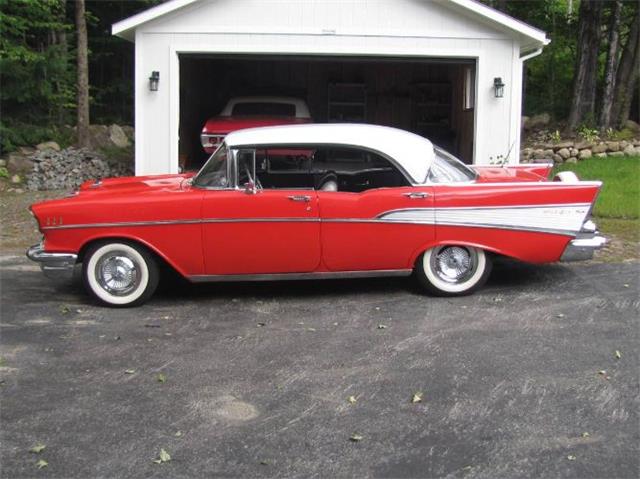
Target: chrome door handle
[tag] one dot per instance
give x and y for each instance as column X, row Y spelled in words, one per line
column 300, row 198
column 415, row 195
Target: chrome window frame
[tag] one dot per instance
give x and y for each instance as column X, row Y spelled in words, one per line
column 230, row 171
column 437, row 150
column 391, row 160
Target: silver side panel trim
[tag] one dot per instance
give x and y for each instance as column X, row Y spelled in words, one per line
column 263, row 277
column 182, row 222
column 563, row 219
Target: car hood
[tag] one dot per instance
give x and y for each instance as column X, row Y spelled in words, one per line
column 132, row 185
column 224, row 125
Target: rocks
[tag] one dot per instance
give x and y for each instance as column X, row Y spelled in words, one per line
column 129, row 132
column 15, row 179
column 572, row 160
column 537, row 121
column 26, row 151
column 613, row 146
column 118, row 137
column 538, row 154
column 539, row 147
column 48, row 146
column 583, row 145
column 3, row 162
column 633, row 126
column 601, row 148
column 70, row 167
column 17, row 162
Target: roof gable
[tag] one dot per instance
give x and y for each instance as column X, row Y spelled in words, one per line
column 483, row 18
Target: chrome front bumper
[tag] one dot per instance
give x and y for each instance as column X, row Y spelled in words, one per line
column 54, row 265
column 584, row 245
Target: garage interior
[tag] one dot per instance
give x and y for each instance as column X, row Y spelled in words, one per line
column 431, row 97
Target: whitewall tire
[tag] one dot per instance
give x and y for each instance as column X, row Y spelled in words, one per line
column 451, row 270
column 120, row 274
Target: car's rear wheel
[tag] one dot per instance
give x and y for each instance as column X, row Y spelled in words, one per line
column 452, row 270
column 120, row 274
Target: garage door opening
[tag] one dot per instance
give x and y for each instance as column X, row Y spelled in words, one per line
column 431, row 97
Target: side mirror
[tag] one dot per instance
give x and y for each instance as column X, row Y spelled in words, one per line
column 250, row 188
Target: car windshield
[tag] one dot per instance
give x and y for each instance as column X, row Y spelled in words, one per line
column 214, row 173
column 448, row 169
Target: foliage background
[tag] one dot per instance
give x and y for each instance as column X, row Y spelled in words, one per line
column 37, row 63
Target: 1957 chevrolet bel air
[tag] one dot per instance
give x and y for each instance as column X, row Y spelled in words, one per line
column 313, row 202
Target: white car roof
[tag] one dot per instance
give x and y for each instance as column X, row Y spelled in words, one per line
column 302, row 110
column 412, row 153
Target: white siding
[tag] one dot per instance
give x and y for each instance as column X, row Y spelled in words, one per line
column 323, row 27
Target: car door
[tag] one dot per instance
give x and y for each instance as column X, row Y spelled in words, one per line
column 382, row 227
column 260, row 231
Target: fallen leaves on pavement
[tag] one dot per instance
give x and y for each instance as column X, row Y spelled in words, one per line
column 38, row 447
column 163, row 457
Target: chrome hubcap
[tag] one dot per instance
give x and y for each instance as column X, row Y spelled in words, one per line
column 117, row 273
column 454, row 264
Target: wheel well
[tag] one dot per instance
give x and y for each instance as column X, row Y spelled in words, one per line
column 489, row 251
column 162, row 263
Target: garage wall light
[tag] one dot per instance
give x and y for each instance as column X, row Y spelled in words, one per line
column 154, row 80
column 498, row 87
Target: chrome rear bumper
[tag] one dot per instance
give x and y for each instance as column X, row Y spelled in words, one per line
column 54, row 265
column 584, row 245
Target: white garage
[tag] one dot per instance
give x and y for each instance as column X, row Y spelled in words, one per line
column 450, row 70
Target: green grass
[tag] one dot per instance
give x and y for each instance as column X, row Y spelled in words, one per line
column 620, row 194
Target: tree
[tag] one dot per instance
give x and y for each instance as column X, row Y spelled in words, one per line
column 583, row 100
column 82, row 84
column 627, row 74
column 610, row 66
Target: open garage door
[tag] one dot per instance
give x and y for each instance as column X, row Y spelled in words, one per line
column 431, row 97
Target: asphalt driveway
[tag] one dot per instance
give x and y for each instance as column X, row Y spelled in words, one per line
column 519, row 380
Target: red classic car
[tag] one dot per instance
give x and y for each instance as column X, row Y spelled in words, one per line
column 250, row 112
column 314, row 202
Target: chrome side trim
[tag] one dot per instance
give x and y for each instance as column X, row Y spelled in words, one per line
column 564, row 219
column 53, row 265
column 263, row 277
column 541, row 183
column 261, row 220
column 182, row 222
column 380, row 218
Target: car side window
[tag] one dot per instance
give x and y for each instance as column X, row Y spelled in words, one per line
column 325, row 168
column 355, row 170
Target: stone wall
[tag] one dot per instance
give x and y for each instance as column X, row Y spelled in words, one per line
column 571, row 151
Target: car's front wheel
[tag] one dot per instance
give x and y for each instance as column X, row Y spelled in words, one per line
column 451, row 270
column 120, row 274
